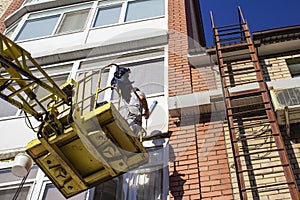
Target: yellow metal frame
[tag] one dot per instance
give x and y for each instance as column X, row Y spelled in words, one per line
column 98, row 147
column 76, row 151
column 17, row 80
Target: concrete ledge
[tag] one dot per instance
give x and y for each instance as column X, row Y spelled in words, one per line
column 196, row 103
column 94, row 49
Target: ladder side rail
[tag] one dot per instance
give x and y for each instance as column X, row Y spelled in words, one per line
column 237, row 161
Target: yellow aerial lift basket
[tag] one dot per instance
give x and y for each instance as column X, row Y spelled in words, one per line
column 77, row 160
column 96, row 143
column 79, row 143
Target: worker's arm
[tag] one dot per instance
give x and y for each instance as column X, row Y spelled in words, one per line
column 145, row 105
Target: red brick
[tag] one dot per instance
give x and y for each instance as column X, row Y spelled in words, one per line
column 12, row 8
column 211, row 194
column 221, row 187
column 229, row 197
column 209, row 173
column 210, row 183
column 227, row 192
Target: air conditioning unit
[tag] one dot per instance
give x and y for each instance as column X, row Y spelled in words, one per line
column 286, row 105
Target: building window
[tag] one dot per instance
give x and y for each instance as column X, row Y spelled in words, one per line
column 9, row 184
column 38, row 27
column 294, row 67
column 41, row 92
column 72, row 21
column 148, row 75
column 10, row 30
column 108, row 15
column 146, row 72
column 7, row 109
column 51, row 192
column 149, row 181
column 128, row 11
column 144, row 9
column 57, row 21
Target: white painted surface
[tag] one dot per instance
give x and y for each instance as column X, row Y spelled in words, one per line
column 15, row 134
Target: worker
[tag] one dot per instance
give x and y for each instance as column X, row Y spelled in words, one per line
column 137, row 104
column 135, row 99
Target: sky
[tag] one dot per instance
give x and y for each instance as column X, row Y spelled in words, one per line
column 260, row 14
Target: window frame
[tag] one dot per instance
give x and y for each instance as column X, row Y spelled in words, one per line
column 37, row 19
column 132, row 62
column 52, row 12
column 124, row 9
column 63, row 17
column 112, row 5
column 14, row 184
column 140, row 19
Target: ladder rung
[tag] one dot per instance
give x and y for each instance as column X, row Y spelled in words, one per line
column 249, row 118
column 245, row 105
column 238, row 63
column 240, row 72
column 231, row 29
column 244, row 62
column 261, row 168
column 230, row 33
column 240, row 69
column 254, row 137
column 259, row 152
column 234, row 47
column 248, row 112
column 250, row 147
column 235, row 55
column 251, row 125
column 224, row 41
column 228, row 26
column 265, row 186
column 243, row 83
column 247, row 93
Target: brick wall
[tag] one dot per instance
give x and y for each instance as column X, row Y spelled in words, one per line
column 215, row 179
column 203, row 79
column 183, row 168
column 184, row 176
column 4, row 5
column 179, row 69
column 7, row 8
column 276, row 68
column 198, row 157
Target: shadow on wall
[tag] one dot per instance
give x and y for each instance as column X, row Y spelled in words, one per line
column 264, row 67
column 175, row 179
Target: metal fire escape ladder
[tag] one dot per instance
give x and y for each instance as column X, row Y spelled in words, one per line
column 255, row 136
